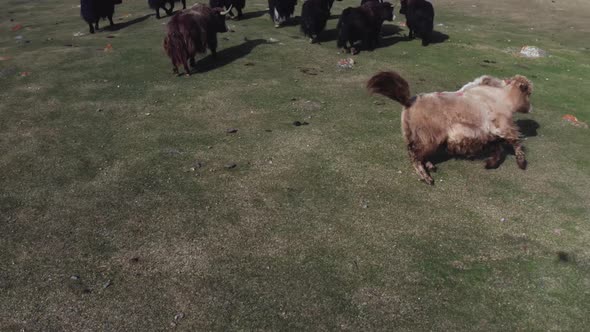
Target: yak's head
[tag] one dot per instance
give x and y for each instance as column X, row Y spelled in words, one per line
column 387, row 11
column 403, row 7
column 520, row 92
column 219, row 19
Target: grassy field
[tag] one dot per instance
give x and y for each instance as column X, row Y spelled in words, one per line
column 117, row 210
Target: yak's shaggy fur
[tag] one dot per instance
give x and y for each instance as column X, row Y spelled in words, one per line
column 191, row 32
column 477, row 116
column 93, row 10
column 161, row 4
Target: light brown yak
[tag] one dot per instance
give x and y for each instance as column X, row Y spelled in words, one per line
column 477, row 116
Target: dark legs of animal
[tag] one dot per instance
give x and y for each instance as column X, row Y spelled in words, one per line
column 240, row 14
column 411, row 34
column 91, row 28
column 111, row 20
column 96, row 25
column 183, row 4
column 193, row 62
column 212, row 41
column 425, row 39
column 170, row 10
column 494, row 160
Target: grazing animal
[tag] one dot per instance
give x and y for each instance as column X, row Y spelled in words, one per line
column 237, row 4
column 363, row 23
column 314, row 15
column 191, row 32
column 93, row 10
column 466, row 122
column 161, row 4
column 281, row 10
column 419, row 18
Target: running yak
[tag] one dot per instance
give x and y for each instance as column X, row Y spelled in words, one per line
column 475, row 119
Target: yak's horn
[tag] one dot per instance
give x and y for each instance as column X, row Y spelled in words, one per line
column 227, row 11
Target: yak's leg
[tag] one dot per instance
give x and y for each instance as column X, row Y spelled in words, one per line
column 187, row 70
column 183, row 4
column 430, row 166
column 174, row 68
column 411, row 33
column 511, row 135
column 111, row 20
column 493, row 161
column 240, row 15
column 158, row 13
column 519, row 153
column 91, row 27
column 96, row 24
column 193, row 62
column 418, row 163
column 169, row 11
column 212, row 41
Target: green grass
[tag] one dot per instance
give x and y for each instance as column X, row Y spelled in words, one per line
column 319, row 227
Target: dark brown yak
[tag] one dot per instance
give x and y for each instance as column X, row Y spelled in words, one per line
column 192, row 31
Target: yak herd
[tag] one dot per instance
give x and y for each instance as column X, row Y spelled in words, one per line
column 472, row 121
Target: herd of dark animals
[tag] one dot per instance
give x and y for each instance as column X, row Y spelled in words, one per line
column 429, row 121
column 361, row 23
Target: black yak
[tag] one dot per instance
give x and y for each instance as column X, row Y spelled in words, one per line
column 467, row 122
column 419, row 18
column 93, row 10
column 281, row 10
column 314, row 15
column 161, row 4
column 237, row 4
column 363, row 23
column 193, row 31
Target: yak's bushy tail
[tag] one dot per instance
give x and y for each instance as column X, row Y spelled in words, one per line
column 392, row 85
column 176, row 48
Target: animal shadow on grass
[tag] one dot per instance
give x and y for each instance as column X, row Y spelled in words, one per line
column 438, row 37
column 388, row 35
column 527, row 128
column 123, row 25
column 227, row 56
column 249, row 15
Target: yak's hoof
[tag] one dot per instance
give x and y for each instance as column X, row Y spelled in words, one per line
column 353, row 51
column 522, row 163
column 428, row 180
column 430, row 166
